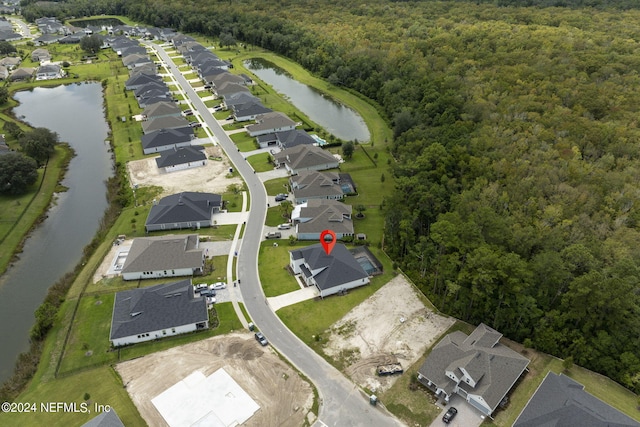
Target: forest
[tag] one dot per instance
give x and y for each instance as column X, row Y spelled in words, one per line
column 516, row 143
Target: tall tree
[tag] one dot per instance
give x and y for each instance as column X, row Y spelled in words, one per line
column 39, row 144
column 17, row 173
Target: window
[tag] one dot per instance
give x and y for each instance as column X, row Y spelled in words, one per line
column 164, row 332
column 173, row 330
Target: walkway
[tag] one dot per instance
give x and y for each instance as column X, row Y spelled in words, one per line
column 234, row 292
column 276, row 303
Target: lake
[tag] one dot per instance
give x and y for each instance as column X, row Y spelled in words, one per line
column 76, row 113
column 335, row 118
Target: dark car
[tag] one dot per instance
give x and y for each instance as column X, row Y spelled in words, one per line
column 261, row 339
column 281, row 197
column 449, row 415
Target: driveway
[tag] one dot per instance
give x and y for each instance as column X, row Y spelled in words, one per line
column 467, row 416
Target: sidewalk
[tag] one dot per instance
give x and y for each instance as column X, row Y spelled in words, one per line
column 234, row 292
column 276, row 303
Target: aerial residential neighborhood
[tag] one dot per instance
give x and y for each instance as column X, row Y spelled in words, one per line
column 210, row 294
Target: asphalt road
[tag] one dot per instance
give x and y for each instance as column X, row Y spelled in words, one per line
column 341, row 402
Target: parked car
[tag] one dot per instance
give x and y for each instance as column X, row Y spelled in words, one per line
column 449, row 415
column 261, row 339
column 195, row 124
column 207, row 293
column 187, row 112
column 280, row 197
column 285, row 226
column 211, row 300
column 217, row 286
column 201, row 286
column 273, row 235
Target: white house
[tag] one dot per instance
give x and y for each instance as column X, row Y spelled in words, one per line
column 145, row 314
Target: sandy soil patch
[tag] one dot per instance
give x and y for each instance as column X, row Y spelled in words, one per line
column 284, row 398
column 211, row 178
column 392, row 326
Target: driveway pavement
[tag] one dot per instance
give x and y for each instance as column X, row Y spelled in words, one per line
column 272, row 174
column 276, row 303
column 467, row 416
column 226, row 218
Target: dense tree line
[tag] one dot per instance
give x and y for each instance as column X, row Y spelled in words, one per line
column 517, row 147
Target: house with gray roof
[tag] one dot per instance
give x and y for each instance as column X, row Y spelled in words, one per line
column 181, row 158
column 305, row 158
column 182, row 211
column 105, row 419
column 40, row 55
column 163, row 256
column 135, row 60
column 145, row 314
column 270, row 123
column 330, row 274
column 310, row 185
column 164, row 123
column 476, row 367
column 315, row 216
column 9, row 35
column 166, row 139
column 138, row 80
column 239, row 98
column 10, row 62
column 22, row 73
column 228, row 77
column 560, row 401
column 285, row 139
column 161, row 109
column 49, row 72
column 249, row 111
column 229, row 88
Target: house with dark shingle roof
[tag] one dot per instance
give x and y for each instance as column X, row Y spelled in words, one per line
column 309, row 185
column 161, row 109
column 181, row 211
column 305, row 158
column 560, row 401
column 182, row 158
column 166, row 139
column 476, row 367
column 330, row 274
column 139, row 80
column 315, row 216
column 270, row 123
column 249, row 111
column 49, row 72
column 163, row 256
column 164, row 123
column 145, row 314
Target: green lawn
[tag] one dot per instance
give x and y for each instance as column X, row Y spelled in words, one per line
column 274, row 274
column 274, row 216
column 244, row 142
column 276, row 186
column 260, row 162
column 104, row 387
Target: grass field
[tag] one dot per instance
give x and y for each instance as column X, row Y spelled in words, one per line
column 276, row 186
column 260, row 162
column 274, row 275
column 244, row 142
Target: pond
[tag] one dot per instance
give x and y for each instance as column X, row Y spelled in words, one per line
column 76, row 113
column 335, row 118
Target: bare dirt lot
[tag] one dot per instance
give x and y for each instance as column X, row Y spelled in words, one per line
column 211, row 178
column 392, row 326
column 284, row 398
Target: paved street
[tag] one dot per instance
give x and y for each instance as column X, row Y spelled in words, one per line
column 341, row 402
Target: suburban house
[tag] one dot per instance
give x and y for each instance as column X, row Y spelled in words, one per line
column 163, row 256
column 315, row 216
column 182, row 158
column 248, row 111
column 164, row 123
column 22, row 73
column 141, row 91
column 49, row 71
column 135, row 60
column 476, row 367
column 305, row 158
column 229, row 88
column 560, row 401
column 4, row 72
column 145, row 314
column 139, row 80
column 181, row 211
column 11, row 62
column 270, row 123
column 331, row 274
column 286, row 139
column 161, row 109
column 9, row 36
column 221, row 78
column 40, row 55
column 166, row 139
column 238, row 98
column 308, row 185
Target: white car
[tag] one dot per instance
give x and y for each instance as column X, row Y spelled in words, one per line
column 201, row 286
column 211, row 300
column 285, row 226
column 217, row 286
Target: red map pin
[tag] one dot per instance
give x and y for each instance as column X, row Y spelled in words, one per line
column 328, row 246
